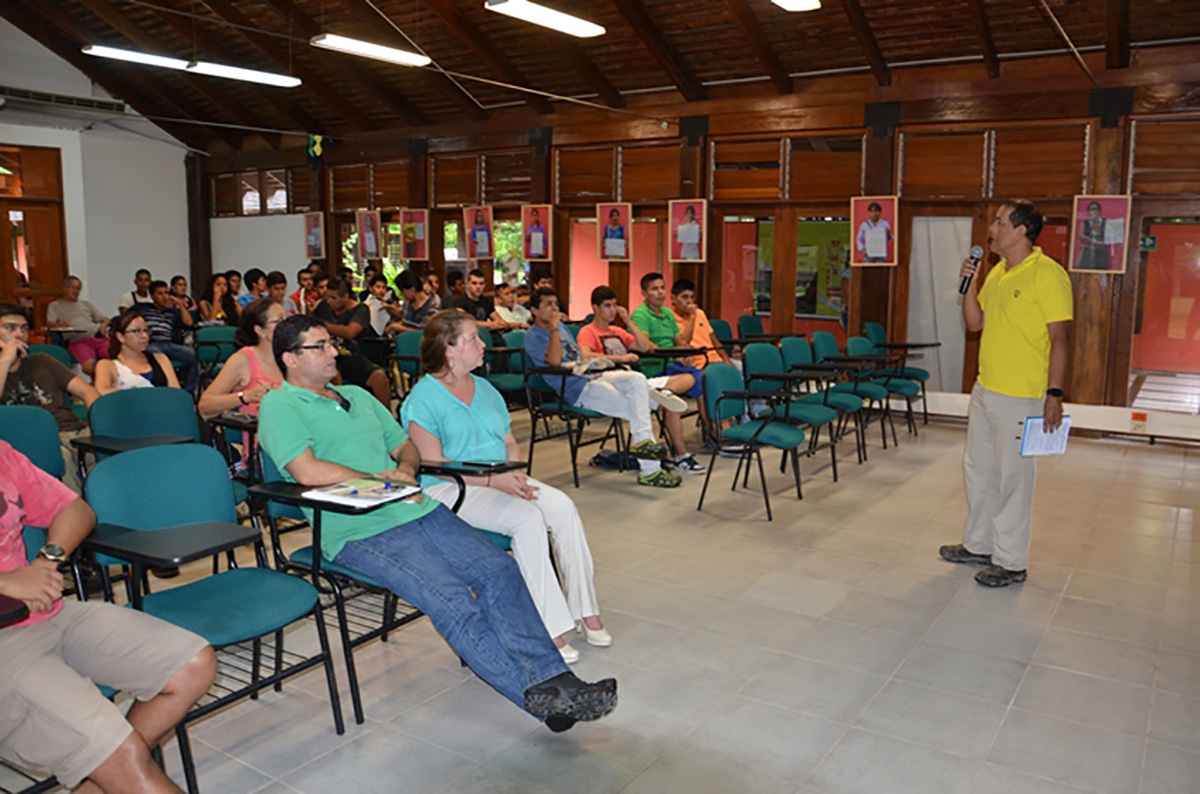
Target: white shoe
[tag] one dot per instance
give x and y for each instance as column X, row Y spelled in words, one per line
column 569, row 654
column 669, row 400
column 598, row 637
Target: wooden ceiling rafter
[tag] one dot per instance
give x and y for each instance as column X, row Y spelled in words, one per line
column 48, row 32
column 440, row 83
column 745, row 18
column 664, row 53
column 589, row 72
column 313, row 82
column 351, row 69
column 990, row 57
column 866, row 39
column 471, row 36
column 1116, row 20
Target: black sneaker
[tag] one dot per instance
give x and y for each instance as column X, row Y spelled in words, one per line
column 959, row 553
column 995, row 576
column 565, row 700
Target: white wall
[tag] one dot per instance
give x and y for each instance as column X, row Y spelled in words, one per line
column 934, row 305
column 268, row 242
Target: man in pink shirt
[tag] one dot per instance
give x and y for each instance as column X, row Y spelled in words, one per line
column 52, row 716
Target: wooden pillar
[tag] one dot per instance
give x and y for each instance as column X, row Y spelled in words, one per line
column 560, row 247
column 199, row 220
column 783, row 272
column 708, row 286
column 872, row 288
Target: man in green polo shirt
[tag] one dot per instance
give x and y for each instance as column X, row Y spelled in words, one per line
column 659, row 324
column 1024, row 310
column 320, row 434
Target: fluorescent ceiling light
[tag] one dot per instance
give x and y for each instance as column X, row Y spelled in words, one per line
column 798, row 5
column 134, row 57
column 5, row 172
column 546, row 17
column 366, row 49
column 238, row 73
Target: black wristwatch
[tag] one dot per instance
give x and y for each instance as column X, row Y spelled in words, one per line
column 1054, row 391
column 53, row 553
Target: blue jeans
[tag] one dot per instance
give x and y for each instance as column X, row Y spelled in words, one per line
column 473, row 593
column 184, row 355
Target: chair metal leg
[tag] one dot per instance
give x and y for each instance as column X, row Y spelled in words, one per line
column 796, row 472
column 186, row 759
column 708, row 474
column 339, row 602
column 335, row 699
column 573, row 442
column 279, row 658
column 389, row 614
column 833, row 452
column 255, row 665
column 737, row 474
column 924, row 403
column 763, row 479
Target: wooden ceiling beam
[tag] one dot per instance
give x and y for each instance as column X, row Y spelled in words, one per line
column 209, row 43
column 313, row 82
column 590, row 72
column 351, row 69
column 45, row 33
column 680, row 73
column 471, row 36
column 1116, row 21
column 744, row 16
column 866, row 40
column 990, row 57
column 439, row 82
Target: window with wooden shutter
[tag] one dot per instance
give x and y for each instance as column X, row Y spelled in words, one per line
column 348, row 187
column 584, row 176
column 454, row 180
column 249, row 193
column 389, row 184
column 507, row 177
column 941, row 165
column 1040, row 162
column 302, row 183
column 224, row 195
column 747, row 170
column 275, row 191
column 1166, row 157
column 825, row 167
column 649, row 173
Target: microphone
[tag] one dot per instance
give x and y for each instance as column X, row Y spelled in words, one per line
column 976, row 255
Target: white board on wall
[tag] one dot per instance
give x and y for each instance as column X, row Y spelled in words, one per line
column 267, row 242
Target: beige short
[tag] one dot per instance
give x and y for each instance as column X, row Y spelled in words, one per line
column 52, row 716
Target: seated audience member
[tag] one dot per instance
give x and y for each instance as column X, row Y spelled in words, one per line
column 541, row 279
column 141, row 291
column 277, row 292
column 379, row 302
column 166, row 322
column 620, row 393
column 52, row 716
column 453, row 415
column 179, row 289
column 131, row 365
column 256, row 287
column 659, row 324
column 601, row 339
column 346, row 319
column 320, row 434
column 433, row 289
column 248, row 374
column 508, row 311
column 369, row 274
column 41, row 380
column 234, row 277
column 475, row 303
column 83, row 325
column 217, row 306
column 689, row 314
column 522, row 291
column 455, row 286
column 305, row 297
column 320, row 286
column 419, row 305
column 315, row 268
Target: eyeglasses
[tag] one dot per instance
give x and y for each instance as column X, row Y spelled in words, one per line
column 14, row 328
column 327, row 344
column 137, row 331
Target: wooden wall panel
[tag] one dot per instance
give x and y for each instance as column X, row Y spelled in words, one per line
column 649, row 173
column 824, row 175
column 1040, row 161
column 941, row 165
column 454, row 180
column 225, row 195
column 508, row 177
column 747, row 170
column 1166, row 157
column 585, row 176
column 302, row 189
column 389, row 185
column 349, row 187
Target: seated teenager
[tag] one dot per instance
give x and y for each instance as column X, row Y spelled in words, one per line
column 256, row 287
column 433, row 289
column 247, row 375
column 179, row 289
column 52, row 717
column 619, row 393
column 688, row 314
column 453, row 415
column 659, row 324
column 166, row 321
column 508, row 311
column 277, row 291
column 419, row 305
column 217, row 306
column 305, row 297
column 319, row 434
column 381, row 304
column 43, row 381
column 475, row 303
column 83, row 326
column 542, row 279
column 131, row 365
column 141, row 292
column 601, row 339
column 455, row 286
column 346, row 319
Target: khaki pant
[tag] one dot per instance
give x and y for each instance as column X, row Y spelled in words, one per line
column 70, row 476
column 999, row 481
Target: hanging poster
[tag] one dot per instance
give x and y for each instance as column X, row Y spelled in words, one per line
column 616, row 234
column 874, row 220
column 687, row 218
column 314, row 235
column 414, row 228
column 536, row 224
column 1099, row 234
column 480, row 238
column 370, row 242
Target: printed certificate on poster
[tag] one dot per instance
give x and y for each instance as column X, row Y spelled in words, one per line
column 536, row 231
column 480, row 238
column 686, row 220
column 414, row 225
column 615, row 237
column 1100, row 234
column 370, row 241
column 873, row 221
column 314, row 235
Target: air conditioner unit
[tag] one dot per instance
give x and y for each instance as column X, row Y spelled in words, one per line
column 76, row 107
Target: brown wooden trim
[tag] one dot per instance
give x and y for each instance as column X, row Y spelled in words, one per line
column 668, row 58
column 1116, row 22
column 746, row 19
column 979, row 12
column 866, row 40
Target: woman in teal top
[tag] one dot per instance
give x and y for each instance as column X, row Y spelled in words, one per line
column 454, row 415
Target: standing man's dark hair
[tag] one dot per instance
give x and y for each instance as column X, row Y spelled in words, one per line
column 289, row 335
column 1025, row 213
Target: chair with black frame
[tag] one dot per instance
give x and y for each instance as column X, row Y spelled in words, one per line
column 510, row 380
column 406, row 362
column 214, row 344
column 825, row 350
column 885, row 376
column 547, row 402
column 749, row 325
column 33, row 432
column 725, row 398
column 798, row 357
column 906, row 350
column 182, row 510
column 721, row 330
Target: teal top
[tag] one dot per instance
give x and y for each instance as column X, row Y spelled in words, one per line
column 468, row 432
column 291, row 420
column 661, row 327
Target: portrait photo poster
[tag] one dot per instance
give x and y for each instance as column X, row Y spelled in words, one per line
column 314, row 235
column 370, row 241
column 480, row 238
column 536, row 231
column 688, row 235
column 414, row 230
column 873, row 223
column 615, row 235
column 1099, row 234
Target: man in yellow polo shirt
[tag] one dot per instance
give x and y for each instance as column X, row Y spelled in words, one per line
column 1024, row 309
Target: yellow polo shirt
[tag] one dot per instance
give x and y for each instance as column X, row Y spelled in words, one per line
column 1014, row 353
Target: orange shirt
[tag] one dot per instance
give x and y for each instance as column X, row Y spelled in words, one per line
column 702, row 336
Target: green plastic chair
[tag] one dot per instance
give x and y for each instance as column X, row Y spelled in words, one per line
column 60, row 354
column 407, row 360
column 214, row 345
column 180, row 486
column 721, row 330
column 797, row 354
column 725, row 398
column 136, row 413
column 510, row 383
column 749, row 325
column 885, row 377
column 33, row 432
column 874, row 394
column 878, row 336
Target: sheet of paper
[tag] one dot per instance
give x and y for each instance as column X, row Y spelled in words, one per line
column 689, row 233
column 537, row 244
column 876, row 240
column 1114, row 231
column 614, row 248
column 481, row 244
column 418, row 231
column 1036, row 442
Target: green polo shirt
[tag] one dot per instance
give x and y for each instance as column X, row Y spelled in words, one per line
column 661, row 327
column 291, row 420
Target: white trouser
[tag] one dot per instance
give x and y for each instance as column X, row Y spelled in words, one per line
column 999, row 481
column 527, row 521
column 625, row 395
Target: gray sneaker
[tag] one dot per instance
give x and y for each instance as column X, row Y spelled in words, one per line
column 688, row 464
column 959, row 553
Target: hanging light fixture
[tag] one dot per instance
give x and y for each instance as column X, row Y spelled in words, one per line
column 367, row 49
column 132, row 56
column 546, row 17
column 798, row 5
column 195, row 67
